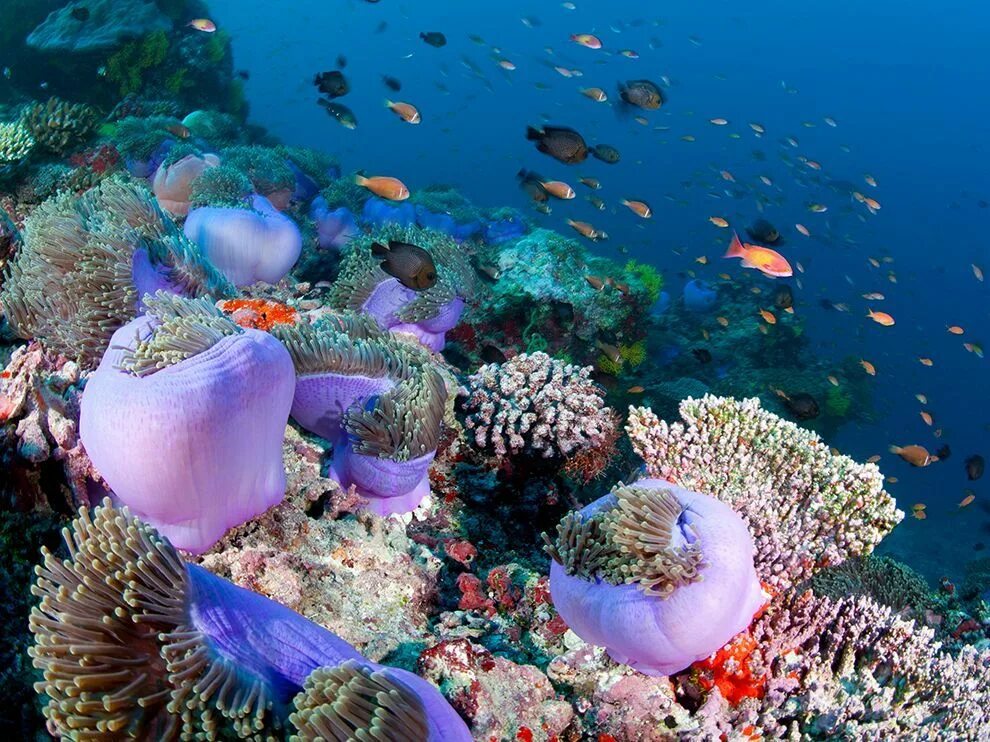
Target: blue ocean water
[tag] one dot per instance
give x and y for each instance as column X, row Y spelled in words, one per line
column 901, row 81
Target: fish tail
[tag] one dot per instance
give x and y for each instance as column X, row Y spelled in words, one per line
column 533, row 134
column 894, row 449
column 360, row 179
column 736, row 249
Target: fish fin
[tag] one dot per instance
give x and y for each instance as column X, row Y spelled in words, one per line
column 359, row 179
column 378, row 249
column 736, row 249
column 533, row 134
column 894, row 449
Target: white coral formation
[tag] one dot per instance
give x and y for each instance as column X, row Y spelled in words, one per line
column 538, row 404
column 805, row 507
column 16, row 142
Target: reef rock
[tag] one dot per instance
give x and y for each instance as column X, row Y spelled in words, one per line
column 110, row 23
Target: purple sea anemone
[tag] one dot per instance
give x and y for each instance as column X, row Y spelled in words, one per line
column 378, row 402
column 134, row 643
column 365, row 287
column 658, row 575
column 334, row 227
column 184, row 418
column 247, row 245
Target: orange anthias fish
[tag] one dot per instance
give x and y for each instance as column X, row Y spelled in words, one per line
column 384, row 186
column 203, row 24
column 768, row 262
column 558, row 189
column 881, row 318
column 914, row 455
column 586, row 39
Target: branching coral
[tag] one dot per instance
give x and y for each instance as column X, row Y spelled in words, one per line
column 58, row 125
column 87, row 261
column 537, row 405
column 659, row 575
column 135, row 643
column 184, row 419
column 806, row 507
column 363, row 286
column 377, row 400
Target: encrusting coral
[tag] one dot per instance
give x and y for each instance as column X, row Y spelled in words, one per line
column 363, row 286
column 805, row 507
column 537, row 405
column 87, row 261
column 184, row 419
column 135, row 643
column 657, row 574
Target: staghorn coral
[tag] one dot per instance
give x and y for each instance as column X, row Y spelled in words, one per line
column 537, row 405
column 657, row 574
column 86, row 262
column 184, row 419
column 363, row 286
column 58, row 125
column 39, row 412
column 805, row 507
column 135, row 643
column 379, row 402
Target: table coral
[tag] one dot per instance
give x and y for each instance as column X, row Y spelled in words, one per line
column 805, row 507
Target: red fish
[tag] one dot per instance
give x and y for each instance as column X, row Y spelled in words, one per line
column 768, row 262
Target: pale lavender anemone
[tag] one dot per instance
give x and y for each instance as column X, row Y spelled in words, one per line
column 364, row 286
column 376, row 401
column 184, row 418
column 246, row 244
column 162, row 649
column 334, row 227
column 658, row 575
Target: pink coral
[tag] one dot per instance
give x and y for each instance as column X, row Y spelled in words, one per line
column 39, row 416
column 537, row 404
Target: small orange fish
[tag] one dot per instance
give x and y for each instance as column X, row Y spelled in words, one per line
column 919, row 506
column 967, row 500
column 921, row 398
column 955, row 330
column 505, row 64
column 724, row 321
column 870, row 181
column 586, row 230
column 703, row 260
column 974, row 348
column 587, row 40
column 704, row 334
column 977, row 271
column 925, row 361
column 768, row 262
column 881, row 318
column 203, row 24
column 718, row 221
column 893, row 480
column 868, row 367
column 405, row 111
column 833, row 380
column 919, row 514
column 927, row 417
column 768, row 317
column 802, row 229
column 558, row 189
column 382, row 185
column 873, row 459
column 726, row 175
column 874, row 262
column 635, row 390
column 639, row 208
column 595, row 282
column 718, row 121
column 180, row 130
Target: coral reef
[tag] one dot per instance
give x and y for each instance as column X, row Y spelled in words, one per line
column 220, row 187
column 635, row 570
column 109, row 23
column 86, row 262
column 805, row 507
column 16, row 143
column 536, row 405
column 185, row 381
